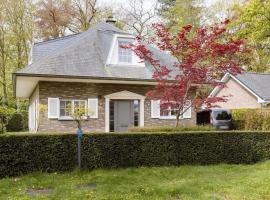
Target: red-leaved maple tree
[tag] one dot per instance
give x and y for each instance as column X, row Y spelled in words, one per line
column 201, row 57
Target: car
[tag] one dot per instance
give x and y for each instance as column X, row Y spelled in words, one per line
column 221, row 119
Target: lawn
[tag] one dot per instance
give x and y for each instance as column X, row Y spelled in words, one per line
column 172, row 183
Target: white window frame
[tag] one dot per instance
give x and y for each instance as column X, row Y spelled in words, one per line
column 112, row 59
column 72, row 104
column 170, row 116
column 119, row 40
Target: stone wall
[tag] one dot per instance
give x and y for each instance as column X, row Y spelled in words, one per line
column 83, row 91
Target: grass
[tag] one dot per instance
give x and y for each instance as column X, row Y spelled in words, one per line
column 169, row 183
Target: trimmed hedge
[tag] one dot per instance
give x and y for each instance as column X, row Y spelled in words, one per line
column 20, row 154
column 158, row 129
column 251, row 119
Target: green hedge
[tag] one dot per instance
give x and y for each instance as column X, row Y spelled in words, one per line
column 251, row 119
column 20, row 154
column 156, row 129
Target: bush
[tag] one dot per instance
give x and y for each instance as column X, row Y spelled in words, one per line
column 251, row 119
column 254, row 120
column 238, row 116
column 15, row 123
column 153, row 129
column 21, row 154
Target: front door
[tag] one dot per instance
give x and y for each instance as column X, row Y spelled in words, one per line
column 123, row 115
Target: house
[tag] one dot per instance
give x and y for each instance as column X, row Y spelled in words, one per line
column 245, row 90
column 93, row 70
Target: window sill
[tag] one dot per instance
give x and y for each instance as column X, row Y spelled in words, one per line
column 126, row 65
column 163, row 117
column 69, row 119
column 174, row 118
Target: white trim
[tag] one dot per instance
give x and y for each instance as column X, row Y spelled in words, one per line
column 123, row 95
column 107, row 115
column 226, row 78
column 25, row 85
column 57, row 108
column 96, row 109
column 113, row 58
column 111, row 49
column 141, row 113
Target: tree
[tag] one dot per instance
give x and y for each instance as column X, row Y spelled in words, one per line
column 83, row 15
column 202, row 56
column 136, row 18
column 53, row 17
column 252, row 23
column 177, row 13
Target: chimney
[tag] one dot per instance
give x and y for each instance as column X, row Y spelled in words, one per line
column 111, row 20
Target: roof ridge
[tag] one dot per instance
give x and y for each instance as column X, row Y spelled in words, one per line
column 259, row 73
column 56, row 39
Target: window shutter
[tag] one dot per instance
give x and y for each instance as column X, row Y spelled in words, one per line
column 155, row 108
column 187, row 114
column 53, row 108
column 93, row 107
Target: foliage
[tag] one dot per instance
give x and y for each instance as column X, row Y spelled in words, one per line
column 15, row 123
column 5, row 115
column 57, row 152
column 167, row 129
column 235, row 182
column 178, row 13
column 251, row 119
column 200, row 60
column 55, row 18
column 137, row 16
column 252, row 22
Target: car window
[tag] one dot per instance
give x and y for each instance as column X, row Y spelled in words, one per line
column 222, row 115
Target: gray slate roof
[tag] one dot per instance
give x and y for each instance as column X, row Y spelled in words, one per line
column 85, row 55
column 257, row 82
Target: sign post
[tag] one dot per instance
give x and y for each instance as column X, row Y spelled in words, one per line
column 79, row 136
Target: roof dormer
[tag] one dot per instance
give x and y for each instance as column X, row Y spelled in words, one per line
column 119, row 56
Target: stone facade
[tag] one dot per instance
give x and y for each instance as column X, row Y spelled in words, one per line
column 83, row 91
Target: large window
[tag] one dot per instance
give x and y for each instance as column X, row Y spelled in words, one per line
column 67, row 107
column 168, row 112
column 124, row 55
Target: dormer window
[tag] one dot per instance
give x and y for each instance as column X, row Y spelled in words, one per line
column 124, row 55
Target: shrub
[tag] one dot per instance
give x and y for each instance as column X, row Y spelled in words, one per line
column 266, row 122
column 251, row 119
column 238, row 116
column 32, row 152
column 254, row 120
column 153, row 129
column 15, row 123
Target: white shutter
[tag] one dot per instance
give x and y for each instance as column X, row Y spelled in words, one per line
column 187, row 114
column 93, row 107
column 155, row 108
column 53, row 108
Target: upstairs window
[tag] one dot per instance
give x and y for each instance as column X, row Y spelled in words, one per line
column 124, row 55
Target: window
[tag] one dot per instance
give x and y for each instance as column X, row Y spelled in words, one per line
column 136, row 112
column 124, row 55
column 168, row 112
column 67, row 107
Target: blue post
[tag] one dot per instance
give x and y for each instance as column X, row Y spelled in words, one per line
column 79, row 136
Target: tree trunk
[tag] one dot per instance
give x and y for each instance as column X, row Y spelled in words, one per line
column 177, row 119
